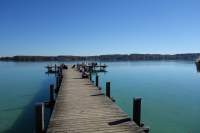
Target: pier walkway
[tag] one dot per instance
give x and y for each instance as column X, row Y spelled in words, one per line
column 79, row 109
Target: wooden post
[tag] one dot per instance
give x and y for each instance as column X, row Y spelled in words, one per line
column 59, row 79
column 58, row 69
column 97, row 81
column 51, row 93
column 90, row 76
column 39, row 125
column 137, row 110
column 57, row 85
column 57, row 82
column 61, row 70
column 55, row 68
column 108, row 89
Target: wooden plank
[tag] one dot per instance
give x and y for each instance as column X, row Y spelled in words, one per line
column 77, row 111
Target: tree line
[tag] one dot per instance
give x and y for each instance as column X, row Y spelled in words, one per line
column 113, row 57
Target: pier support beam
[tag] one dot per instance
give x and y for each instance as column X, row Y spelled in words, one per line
column 39, row 111
column 137, row 110
column 108, row 89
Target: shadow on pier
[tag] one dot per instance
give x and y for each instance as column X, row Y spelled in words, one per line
column 25, row 123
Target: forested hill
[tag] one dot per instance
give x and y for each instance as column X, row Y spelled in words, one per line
column 113, row 57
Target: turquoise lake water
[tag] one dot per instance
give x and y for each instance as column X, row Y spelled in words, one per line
column 170, row 92
column 22, row 85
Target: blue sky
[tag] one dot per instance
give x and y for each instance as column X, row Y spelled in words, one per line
column 93, row 27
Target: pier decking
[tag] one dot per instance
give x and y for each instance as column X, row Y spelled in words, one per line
column 80, row 107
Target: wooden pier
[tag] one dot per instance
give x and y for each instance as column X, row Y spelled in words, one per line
column 81, row 107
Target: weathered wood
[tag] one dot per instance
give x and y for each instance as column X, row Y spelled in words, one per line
column 119, row 121
column 77, row 111
column 108, row 89
column 137, row 110
column 39, row 120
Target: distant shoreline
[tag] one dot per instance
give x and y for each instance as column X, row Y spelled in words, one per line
column 111, row 57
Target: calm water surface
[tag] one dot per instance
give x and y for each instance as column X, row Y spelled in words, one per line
column 170, row 92
column 21, row 86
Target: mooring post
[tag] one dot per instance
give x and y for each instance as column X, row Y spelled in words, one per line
column 61, row 77
column 108, row 89
column 39, row 125
column 61, row 70
column 97, row 81
column 57, row 82
column 60, row 80
column 137, row 110
column 90, row 76
column 51, row 93
column 58, row 68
